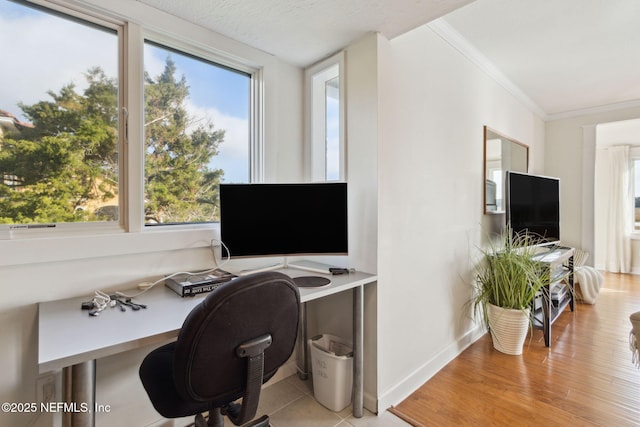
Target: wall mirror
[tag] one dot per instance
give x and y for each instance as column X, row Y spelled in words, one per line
column 501, row 154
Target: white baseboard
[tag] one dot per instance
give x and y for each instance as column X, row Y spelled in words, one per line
column 411, row 383
column 634, row 270
column 370, row 403
column 285, row 371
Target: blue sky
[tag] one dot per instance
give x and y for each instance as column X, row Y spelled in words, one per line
column 34, row 43
column 219, row 87
column 218, row 95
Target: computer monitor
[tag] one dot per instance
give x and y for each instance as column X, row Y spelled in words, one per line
column 284, row 219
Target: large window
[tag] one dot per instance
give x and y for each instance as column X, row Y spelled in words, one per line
column 196, row 130
column 65, row 129
column 59, row 127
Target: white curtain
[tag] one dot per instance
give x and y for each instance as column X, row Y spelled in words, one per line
column 619, row 210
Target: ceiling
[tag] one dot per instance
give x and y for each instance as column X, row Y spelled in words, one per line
column 565, row 55
column 303, row 32
column 558, row 56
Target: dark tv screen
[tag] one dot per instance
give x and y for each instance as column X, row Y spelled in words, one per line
column 533, row 206
column 284, row 219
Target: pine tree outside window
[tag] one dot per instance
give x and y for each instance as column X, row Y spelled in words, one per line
column 196, row 135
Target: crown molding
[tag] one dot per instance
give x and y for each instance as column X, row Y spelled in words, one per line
column 443, row 29
column 456, row 40
column 594, row 110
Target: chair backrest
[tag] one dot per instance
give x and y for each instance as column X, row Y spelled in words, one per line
column 206, row 367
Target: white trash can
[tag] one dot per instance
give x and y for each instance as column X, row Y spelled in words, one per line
column 332, row 370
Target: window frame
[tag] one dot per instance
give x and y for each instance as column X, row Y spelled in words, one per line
column 69, row 241
column 635, row 161
column 316, row 77
column 255, row 134
column 39, row 230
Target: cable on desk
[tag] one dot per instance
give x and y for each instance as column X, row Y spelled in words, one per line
column 197, row 273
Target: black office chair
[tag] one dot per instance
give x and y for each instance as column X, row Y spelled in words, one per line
column 229, row 345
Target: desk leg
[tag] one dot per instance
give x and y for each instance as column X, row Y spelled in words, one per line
column 303, row 369
column 358, row 351
column 80, row 390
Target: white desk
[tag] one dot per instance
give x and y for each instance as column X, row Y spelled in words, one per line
column 70, row 339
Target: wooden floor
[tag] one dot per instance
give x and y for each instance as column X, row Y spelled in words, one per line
column 585, row 378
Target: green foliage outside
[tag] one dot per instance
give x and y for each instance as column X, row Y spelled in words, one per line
column 65, row 168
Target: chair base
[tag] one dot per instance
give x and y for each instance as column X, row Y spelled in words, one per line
column 201, row 421
column 216, row 419
column 263, row 421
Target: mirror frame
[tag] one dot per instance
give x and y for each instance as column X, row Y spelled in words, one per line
column 504, row 138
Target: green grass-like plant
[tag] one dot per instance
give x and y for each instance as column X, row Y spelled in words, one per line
column 508, row 276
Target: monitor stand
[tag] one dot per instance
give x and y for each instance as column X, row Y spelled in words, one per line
column 300, row 281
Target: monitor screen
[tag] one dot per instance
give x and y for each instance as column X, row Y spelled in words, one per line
column 533, row 206
column 284, row 219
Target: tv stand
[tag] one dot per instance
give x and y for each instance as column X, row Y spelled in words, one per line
column 551, row 301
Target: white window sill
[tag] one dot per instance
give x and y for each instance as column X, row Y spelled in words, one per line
column 50, row 248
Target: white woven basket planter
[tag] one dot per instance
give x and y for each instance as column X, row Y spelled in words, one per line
column 508, row 328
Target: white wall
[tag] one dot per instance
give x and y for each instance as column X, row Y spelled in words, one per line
column 363, row 69
column 59, row 274
column 434, row 103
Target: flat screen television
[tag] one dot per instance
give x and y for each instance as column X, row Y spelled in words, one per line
column 533, row 206
column 284, row 219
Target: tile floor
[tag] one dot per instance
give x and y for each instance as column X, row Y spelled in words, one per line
column 290, row 403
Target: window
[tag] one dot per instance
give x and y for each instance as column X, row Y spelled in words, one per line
column 196, row 130
column 64, row 124
column 325, row 120
column 59, row 127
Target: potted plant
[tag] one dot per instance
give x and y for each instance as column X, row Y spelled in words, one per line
column 506, row 283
